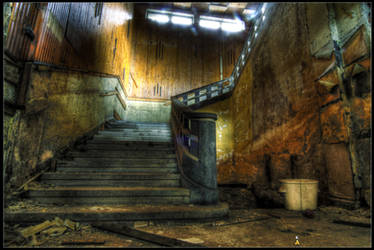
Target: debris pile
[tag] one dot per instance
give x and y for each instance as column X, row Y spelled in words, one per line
column 39, row 234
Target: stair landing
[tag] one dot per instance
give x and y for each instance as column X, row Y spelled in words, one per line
column 117, row 213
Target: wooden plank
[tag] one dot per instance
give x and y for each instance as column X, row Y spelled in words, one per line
column 153, row 238
column 82, row 243
column 352, row 222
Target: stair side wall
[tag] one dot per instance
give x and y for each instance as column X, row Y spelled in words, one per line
column 147, row 111
column 60, row 108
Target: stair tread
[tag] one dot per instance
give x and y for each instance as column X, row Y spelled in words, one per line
column 108, row 189
column 124, row 173
column 93, row 170
column 108, row 175
column 138, row 143
column 123, row 151
column 128, row 212
column 140, row 168
column 104, row 159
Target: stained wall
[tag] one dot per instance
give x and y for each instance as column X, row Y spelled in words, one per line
column 287, row 116
column 60, row 107
column 86, row 36
column 168, row 59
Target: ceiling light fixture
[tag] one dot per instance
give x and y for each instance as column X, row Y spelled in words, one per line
column 181, row 20
column 160, row 18
column 210, row 24
column 232, row 26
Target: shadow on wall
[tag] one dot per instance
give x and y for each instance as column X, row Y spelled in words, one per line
column 287, row 116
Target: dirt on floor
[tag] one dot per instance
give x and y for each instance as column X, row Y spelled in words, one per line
column 242, row 228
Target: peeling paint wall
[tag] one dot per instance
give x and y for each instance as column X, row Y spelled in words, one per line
column 60, row 107
column 11, row 116
column 287, row 124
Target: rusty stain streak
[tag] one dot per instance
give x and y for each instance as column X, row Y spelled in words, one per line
column 11, row 26
column 25, row 39
column 114, row 50
column 79, row 31
column 16, row 38
column 13, row 21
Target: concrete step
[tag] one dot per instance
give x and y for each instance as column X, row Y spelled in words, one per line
column 118, row 169
column 138, row 126
column 113, row 183
column 145, row 179
column 127, row 147
column 132, row 143
column 74, row 200
column 110, row 195
column 117, row 213
column 108, row 176
column 123, row 154
column 106, row 162
column 133, row 138
column 132, row 130
column 135, row 134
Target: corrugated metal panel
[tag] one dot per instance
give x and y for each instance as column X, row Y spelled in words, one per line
column 23, row 15
column 74, row 35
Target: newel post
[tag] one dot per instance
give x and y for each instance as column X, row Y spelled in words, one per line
column 202, row 170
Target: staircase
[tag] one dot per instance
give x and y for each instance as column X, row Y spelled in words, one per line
column 128, row 170
column 127, row 163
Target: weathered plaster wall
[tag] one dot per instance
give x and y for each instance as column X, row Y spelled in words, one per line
column 224, row 140
column 176, row 58
column 12, row 74
column 60, row 107
column 147, row 111
column 286, row 123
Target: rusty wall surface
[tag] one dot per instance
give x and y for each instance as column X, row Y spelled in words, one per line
column 60, row 107
column 23, row 15
column 224, row 140
column 169, row 60
column 286, row 124
column 88, row 36
column 11, row 116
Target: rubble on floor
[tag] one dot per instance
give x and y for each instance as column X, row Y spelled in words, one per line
column 241, row 228
column 38, row 234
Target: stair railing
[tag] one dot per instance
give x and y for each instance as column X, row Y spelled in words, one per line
column 222, row 89
column 212, row 91
column 195, row 143
column 194, row 132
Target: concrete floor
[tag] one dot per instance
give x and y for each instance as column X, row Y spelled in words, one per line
column 276, row 228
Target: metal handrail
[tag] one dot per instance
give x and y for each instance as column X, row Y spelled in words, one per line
column 182, row 136
column 206, row 90
column 180, row 109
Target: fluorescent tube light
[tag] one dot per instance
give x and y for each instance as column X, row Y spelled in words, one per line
column 158, row 17
column 209, row 24
column 181, row 20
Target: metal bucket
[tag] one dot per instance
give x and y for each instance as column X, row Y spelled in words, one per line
column 301, row 194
